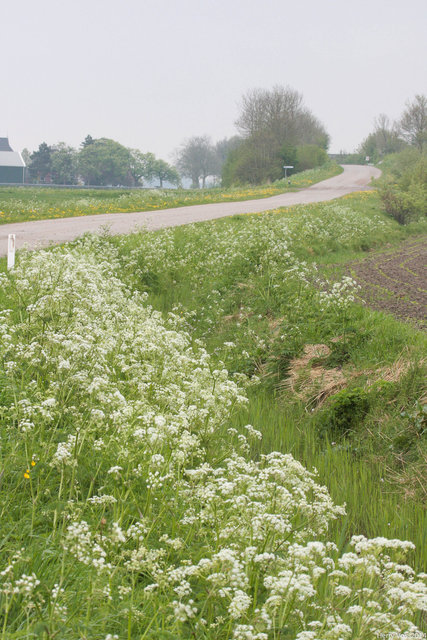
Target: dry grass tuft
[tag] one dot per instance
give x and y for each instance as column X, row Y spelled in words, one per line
column 393, row 373
column 411, row 480
column 313, row 383
column 396, row 371
column 310, row 381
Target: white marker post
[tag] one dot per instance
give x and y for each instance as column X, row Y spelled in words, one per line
column 286, row 167
column 11, row 251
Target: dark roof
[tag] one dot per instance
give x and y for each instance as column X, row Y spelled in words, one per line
column 4, row 145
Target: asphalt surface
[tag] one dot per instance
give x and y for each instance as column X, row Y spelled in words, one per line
column 42, row 233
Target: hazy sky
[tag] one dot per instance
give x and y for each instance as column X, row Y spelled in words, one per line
column 150, row 73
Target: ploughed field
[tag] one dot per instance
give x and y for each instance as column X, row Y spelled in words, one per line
column 395, row 280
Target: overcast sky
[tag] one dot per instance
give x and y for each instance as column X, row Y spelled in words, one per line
column 150, row 73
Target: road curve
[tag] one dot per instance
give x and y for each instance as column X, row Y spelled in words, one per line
column 42, row 233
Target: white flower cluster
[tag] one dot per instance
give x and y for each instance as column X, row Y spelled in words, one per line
column 14, row 583
column 26, row 584
column 80, row 542
column 64, row 453
column 334, row 225
column 340, row 296
column 160, row 502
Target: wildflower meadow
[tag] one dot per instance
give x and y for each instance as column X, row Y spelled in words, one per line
column 139, row 499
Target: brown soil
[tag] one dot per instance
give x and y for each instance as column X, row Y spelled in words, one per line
column 395, row 281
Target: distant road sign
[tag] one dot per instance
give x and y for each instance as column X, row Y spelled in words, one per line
column 286, row 167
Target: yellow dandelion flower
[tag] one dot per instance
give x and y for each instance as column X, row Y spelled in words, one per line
column 33, row 463
column 27, row 474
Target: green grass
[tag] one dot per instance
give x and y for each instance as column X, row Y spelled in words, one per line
column 355, row 472
column 121, row 436
column 19, row 204
column 222, row 272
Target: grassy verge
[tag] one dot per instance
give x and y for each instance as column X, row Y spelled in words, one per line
column 19, row 204
column 136, row 497
column 251, row 283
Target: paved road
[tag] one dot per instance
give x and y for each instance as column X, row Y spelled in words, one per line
column 41, row 233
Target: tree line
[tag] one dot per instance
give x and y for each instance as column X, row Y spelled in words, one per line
column 387, row 137
column 401, row 148
column 274, row 129
column 98, row 162
column 101, row 162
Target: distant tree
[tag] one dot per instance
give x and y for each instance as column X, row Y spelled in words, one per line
column 142, row 165
column 196, row 159
column 105, row 162
column 288, row 154
column 281, row 113
column 413, row 123
column 309, row 156
column 164, row 172
column 224, row 147
column 64, row 164
column 26, row 156
column 229, row 168
column 383, row 140
column 41, row 163
column 255, row 161
column 309, row 130
column 268, row 110
column 87, row 141
column 269, row 121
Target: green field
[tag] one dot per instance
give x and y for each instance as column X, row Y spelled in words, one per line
column 146, row 381
column 19, row 204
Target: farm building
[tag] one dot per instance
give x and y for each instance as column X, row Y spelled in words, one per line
column 12, row 166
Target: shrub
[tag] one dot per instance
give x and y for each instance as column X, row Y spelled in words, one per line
column 397, row 205
column 404, row 192
column 345, row 410
column 341, row 351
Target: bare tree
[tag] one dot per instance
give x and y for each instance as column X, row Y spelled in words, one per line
column 281, row 112
column 413, row 123
column 273, row 110
column 196, row 159
column 383, row 140
column 268, row 121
